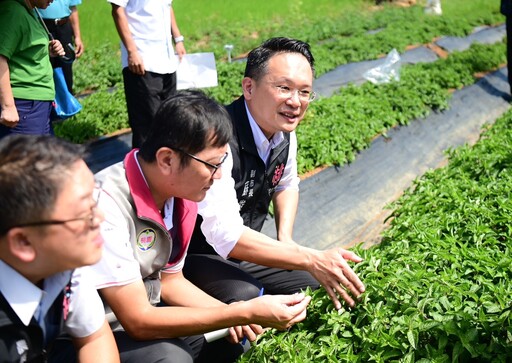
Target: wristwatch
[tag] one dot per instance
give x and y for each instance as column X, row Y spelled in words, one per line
column 179, row 39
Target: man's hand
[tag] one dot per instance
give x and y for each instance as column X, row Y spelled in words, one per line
column 79, row 47
column 56, row 49
column 331, row 269
column 180, row 50
column 135, row 63
column 251, row 332
column 237, row 333
column 9, row 116
column 279, row 311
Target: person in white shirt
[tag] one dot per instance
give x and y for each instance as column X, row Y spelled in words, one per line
column 261, row 167
column 147, row 29
column 49, row 228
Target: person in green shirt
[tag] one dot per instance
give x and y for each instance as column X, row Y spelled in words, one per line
column 26, row 76
column 62, row 20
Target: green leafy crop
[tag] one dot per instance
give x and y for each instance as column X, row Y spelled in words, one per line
column 336, row 128
column 438, row 286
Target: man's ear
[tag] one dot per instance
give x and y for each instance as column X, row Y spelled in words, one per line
column 165, row 157
column 19, row 245
column 247, row 87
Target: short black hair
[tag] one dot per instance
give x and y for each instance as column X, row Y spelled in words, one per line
column 189, row 121
column 33, row 171
column 258, row 58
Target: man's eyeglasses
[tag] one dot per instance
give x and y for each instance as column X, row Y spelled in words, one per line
column 287, row 92
column 214, row 167
column 91, row 220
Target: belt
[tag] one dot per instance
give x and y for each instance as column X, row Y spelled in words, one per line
column 56, row 22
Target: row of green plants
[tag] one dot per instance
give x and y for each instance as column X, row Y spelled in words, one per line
column 438, row 286
column 334, row 41
column 335, row 128
column 349, row 19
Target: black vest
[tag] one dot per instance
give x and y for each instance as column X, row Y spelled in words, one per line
column 255, row 182
column 14, row 334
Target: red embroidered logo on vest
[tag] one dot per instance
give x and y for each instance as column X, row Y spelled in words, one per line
column 278, row 173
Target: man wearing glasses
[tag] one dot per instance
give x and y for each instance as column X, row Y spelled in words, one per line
column 150, row 210
column 277, row 89
column 49, row 227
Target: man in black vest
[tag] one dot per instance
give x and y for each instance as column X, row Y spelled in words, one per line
column 49, row 227
column 277, row 89
column 506, row 9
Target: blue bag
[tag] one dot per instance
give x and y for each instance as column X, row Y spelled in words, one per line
column 65, row 104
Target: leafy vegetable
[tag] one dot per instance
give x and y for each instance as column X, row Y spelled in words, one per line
column 438, row 286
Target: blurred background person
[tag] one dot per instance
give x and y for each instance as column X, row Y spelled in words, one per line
column 147, row 29
column 26, row 78
column 61, row 19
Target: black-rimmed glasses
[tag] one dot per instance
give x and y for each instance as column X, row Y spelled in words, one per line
column 214, row 167
column 91, row 220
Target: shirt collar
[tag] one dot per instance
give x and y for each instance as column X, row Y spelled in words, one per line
column 141, row 194
column 168, row 210
column 21, row 294
column 263, row 145
column 24, row 297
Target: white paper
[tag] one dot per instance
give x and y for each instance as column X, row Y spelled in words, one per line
column 197, row 70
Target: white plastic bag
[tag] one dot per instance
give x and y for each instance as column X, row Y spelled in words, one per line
column 387, row 71
column 433, row 7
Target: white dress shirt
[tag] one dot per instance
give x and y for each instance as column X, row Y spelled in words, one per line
column 222, row 224
column 86, row 314
column 149, row 22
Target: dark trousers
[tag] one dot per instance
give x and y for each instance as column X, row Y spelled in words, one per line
column 34, row 118
column 64, row 34
column 232, row 280
column 508, row 23
column 179, row 350
column 189, row 349
column 144, row 95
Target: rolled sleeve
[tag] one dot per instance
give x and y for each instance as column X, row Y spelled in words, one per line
column 117, row 265
column 177, row 267
column 86, row 312
column 222, row 224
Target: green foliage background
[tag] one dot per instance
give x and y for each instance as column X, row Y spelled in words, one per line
column 337, row 32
